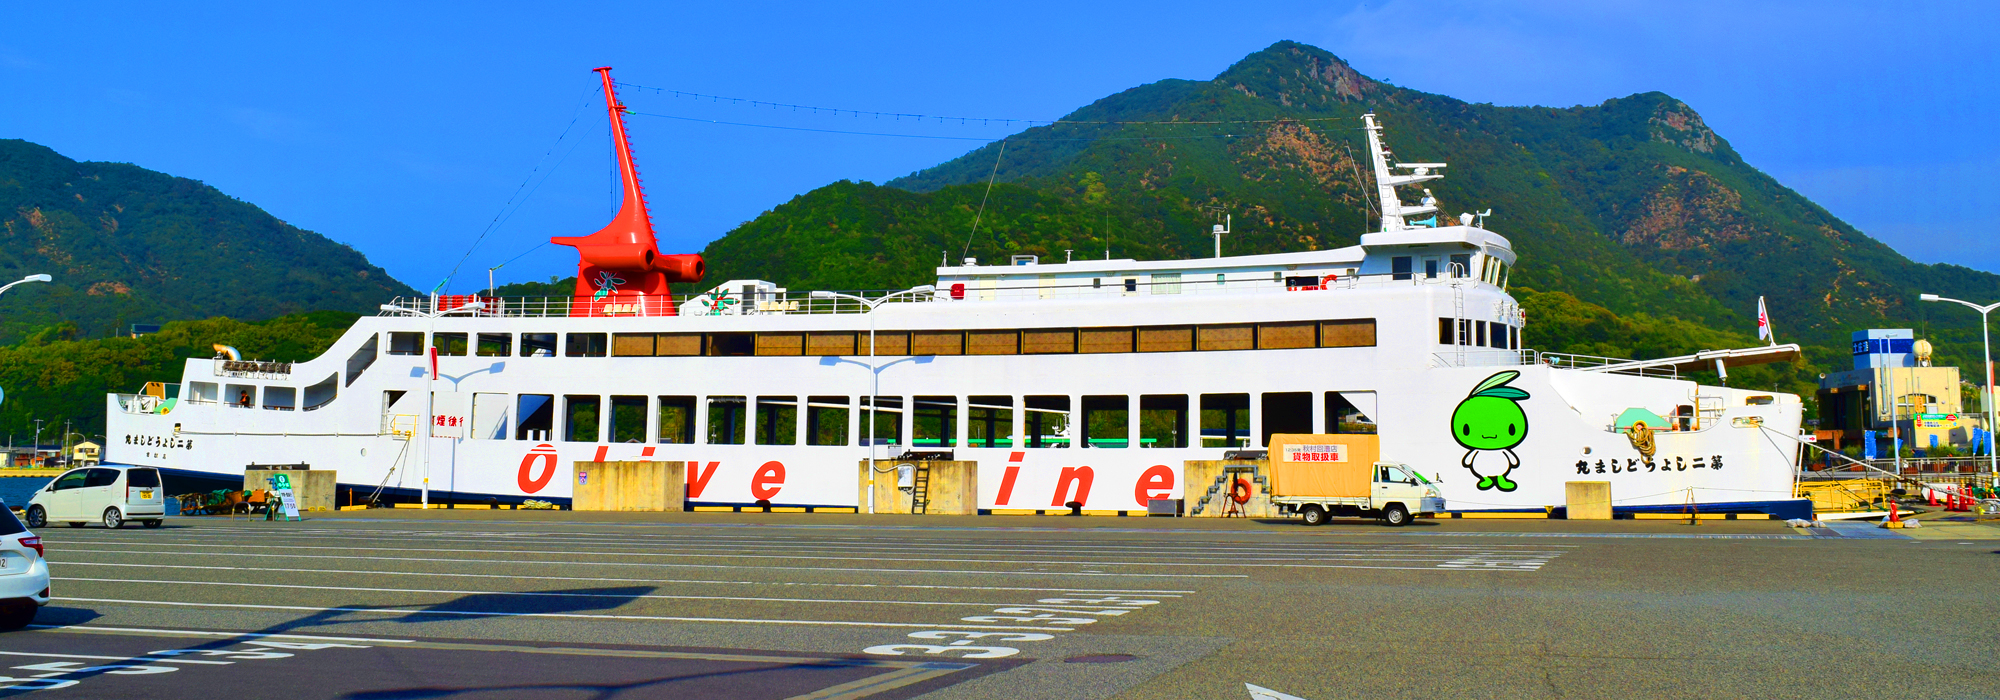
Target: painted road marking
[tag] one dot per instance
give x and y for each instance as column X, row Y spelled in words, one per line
column 1227, row 550
column 581, row 616
column 601, row 579
column 213, row 633
column 898, row 673
column 529, row 594
column 1058, row 562
column 114, row 658
column 431, row 560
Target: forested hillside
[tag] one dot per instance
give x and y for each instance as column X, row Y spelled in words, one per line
column 130, row 245
column 1632, row 214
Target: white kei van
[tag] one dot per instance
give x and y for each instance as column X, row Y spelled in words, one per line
column 112, row 494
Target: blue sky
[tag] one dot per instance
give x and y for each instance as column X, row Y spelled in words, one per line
column 405, row 129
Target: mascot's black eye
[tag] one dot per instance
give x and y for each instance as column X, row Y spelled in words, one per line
column 1510, row 428
column 1465, row 429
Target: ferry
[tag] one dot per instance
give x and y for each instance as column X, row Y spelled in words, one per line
column 1085, row 382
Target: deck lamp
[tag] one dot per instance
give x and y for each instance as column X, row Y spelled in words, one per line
column 874, row 372
column 1992, row 456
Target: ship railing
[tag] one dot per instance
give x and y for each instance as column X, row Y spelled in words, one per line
column 1569, row 360
column 1483, row 358
column 771, row 302
column 644, row 306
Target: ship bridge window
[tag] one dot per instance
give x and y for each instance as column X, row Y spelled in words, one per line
column 585, row 345
column 449, row 344
column 495, row 344
column 537, row 414
column 676, row 420
column 628, row 419
column 1047, row 419
column 1349, row 412
column 990, row 421
column 321, row 394
column 1225, row 420
column 1163, row 421
column 580, row 418
column 1760, row 400
column 826, row 420
column 777, row 420
column 203, row 392
column 361, row 359
column 883, row 422
column 1461, row 265
column 403, row 343
column 1106, row 421
column 1431, row 266
column 1399, row 267
column 726, row 417
column 935, row 423
column 632, row 344
column 280, row 398
column 732, row 344
column 1288, row 412
column 1497, row 335
column 538, row 345
column 489, row 416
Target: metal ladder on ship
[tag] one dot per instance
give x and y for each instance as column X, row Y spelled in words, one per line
column 920, row 489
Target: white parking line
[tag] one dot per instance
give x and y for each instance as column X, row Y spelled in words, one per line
column 142, row 659
column 214, row 633
column 579, row 616
column 535, row 594
column 357, row 572
column 684, row 554
column 433, row 560
column 1222, row 549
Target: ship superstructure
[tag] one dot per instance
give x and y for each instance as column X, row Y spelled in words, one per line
column 1083, row 381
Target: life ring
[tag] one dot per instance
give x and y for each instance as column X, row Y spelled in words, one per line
column 1240, row 491
column 1327, row 281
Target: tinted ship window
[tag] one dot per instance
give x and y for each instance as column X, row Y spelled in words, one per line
column 538, row 345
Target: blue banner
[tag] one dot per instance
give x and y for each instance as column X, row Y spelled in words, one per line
column 1868, row 444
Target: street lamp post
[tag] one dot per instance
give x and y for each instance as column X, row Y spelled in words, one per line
column 430, row 384
column 874, row 373
column 1992, row 455
column 25, row 280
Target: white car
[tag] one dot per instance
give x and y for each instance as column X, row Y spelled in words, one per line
column 113, row 494
column 24, row 574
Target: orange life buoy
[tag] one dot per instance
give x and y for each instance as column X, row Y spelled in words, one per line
column 1240, row 491
column 1327, row 281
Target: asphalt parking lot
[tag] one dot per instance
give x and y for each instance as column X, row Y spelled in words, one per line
column 491, row 604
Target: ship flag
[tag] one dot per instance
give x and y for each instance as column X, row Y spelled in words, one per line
column 1764, row 323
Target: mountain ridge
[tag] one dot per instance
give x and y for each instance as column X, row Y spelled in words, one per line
column 127, row 244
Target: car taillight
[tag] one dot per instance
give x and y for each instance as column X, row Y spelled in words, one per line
column 34, row 543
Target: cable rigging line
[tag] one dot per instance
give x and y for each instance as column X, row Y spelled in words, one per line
column 982, row 199
column 503, row 213
column 947, row 119
column 927, row 136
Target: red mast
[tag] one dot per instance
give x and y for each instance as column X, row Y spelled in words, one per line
column 620, row 270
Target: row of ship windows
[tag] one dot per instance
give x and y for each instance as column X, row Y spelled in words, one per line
column 1490, row 334
column 1343, row 333
column 1157, row 421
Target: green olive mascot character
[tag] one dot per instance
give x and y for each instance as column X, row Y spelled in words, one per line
column 1489, row 423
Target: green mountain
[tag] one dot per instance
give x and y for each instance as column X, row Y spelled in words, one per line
column 1641, row 232
column 130, row 245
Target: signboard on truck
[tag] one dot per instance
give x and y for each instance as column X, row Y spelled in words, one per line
column 1337, row 466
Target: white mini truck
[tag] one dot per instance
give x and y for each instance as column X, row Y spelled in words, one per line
column 1322, row 476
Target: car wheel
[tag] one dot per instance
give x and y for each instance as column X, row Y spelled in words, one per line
column 37, row 518
column 155, row 523
column 16, row 614
column 1395, row 515
column 1314, row 515
column 113, row 519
